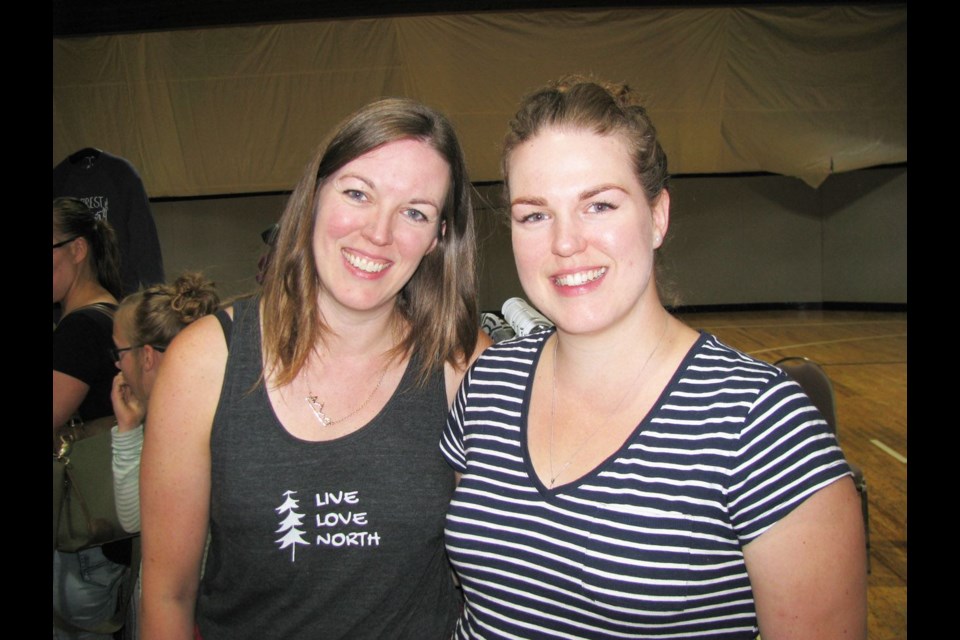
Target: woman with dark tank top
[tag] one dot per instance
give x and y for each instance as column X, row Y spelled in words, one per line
column 300, row 427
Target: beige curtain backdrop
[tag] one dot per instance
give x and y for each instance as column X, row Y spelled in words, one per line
column 802, row 91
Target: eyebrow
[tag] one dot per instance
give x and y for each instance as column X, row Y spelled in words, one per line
column 536, row 201
column 530, row 200
column 370, row 183
column 595, row 191
column 355, row 176
column 425, row 201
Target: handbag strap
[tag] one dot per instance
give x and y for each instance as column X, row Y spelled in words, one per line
column 103, row 307
column 106, row 308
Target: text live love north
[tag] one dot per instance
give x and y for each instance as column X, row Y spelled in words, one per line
column 342, row 519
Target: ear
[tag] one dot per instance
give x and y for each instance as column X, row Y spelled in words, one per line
column 149, row 358
column 79, row 249
column 660, row 214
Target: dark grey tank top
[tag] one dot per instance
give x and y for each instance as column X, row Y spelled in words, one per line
column 340, row 539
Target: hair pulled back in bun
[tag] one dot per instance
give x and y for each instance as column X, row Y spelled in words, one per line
column 156, row 315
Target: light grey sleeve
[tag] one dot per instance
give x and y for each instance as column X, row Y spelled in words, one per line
column 126, row 476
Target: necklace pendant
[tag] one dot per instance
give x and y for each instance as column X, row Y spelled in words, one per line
column 317, row 408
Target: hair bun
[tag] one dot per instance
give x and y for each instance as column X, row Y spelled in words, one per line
column 193, row 296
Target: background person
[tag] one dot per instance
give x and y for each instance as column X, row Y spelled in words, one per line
column 145, row 324
column 86, row 281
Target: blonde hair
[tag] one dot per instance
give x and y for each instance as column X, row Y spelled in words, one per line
column 437, row 308
column 154, row 316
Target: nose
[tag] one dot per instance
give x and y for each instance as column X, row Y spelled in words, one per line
column 379, row 229
column 568, row 237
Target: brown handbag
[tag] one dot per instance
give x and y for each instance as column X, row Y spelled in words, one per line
column 84, row 512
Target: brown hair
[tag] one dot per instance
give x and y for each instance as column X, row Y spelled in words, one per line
column 159, row 313
column 438, row 305
column 72, row 218
column 605, row 108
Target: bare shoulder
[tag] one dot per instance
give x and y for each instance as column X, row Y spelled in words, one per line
column 188, row 385
column 201, row 341
column 454, row 375
column 809, row 572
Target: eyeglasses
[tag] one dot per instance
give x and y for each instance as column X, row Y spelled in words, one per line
column 57, row 245
column 116, row 353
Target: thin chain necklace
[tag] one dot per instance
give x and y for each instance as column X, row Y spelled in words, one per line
column 316, row 405
column 553, row 404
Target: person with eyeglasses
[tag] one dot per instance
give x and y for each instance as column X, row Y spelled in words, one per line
column 145, row 324
column 86, row 284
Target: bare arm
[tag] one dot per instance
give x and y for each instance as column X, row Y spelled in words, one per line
column 175, row 478
column 809, row 572
column 68, row 393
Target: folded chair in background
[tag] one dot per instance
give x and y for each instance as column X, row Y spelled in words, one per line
column 815, row 382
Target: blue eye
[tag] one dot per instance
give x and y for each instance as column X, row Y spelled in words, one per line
column 355, row 194
column 416, row 215
column 600, row 207
column 536, row 216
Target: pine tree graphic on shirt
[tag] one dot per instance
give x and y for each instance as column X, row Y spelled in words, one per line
column 290, row 522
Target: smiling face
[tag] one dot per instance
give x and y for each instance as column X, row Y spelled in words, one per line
column 583, row 232
column 376, row 218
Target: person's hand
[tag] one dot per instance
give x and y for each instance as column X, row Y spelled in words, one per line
column 127, row 407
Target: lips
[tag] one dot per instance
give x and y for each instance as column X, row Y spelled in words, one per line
column 579, row 278
column 367, row 265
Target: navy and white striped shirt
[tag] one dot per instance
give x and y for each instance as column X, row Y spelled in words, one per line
column 648, row 544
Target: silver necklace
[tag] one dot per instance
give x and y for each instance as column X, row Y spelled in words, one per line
column 316, row 405
column 553, row 404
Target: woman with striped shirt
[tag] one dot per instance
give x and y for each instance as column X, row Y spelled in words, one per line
column 626, row 476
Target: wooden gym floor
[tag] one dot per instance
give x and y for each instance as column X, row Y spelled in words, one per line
column 865, row 355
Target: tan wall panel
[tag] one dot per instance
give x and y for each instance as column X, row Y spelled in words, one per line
column 798, row 91
column 732, row 240
column 865, row 236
